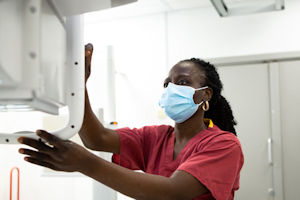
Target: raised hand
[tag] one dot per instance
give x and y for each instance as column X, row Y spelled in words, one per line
column 88, row 58
column 57, row 154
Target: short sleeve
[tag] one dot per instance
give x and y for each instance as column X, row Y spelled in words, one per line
column 217, row 167
column 131, row 149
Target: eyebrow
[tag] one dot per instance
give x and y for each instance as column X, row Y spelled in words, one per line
column 178, row 77
column 183, row 76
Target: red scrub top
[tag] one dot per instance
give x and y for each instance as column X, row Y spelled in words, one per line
column 213, row 156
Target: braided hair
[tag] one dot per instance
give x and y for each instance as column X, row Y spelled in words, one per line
column 220, row 111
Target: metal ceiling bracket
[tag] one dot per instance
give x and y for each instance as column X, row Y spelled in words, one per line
column 221, row 7
column 249, row 8
column 279, row 4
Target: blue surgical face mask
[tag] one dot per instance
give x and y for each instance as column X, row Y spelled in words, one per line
column 178, row 102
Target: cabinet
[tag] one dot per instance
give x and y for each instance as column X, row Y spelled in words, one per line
column 266, row 102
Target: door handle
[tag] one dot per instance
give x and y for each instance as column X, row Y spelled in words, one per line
column 270, row 154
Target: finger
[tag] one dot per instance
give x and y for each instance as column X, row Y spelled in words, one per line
column 39, row 145
column 88, row 59
column 87, row 53
column 36, row 155
column 89, row 47
column 51, row 139
column 89, row 50
column 40, row 163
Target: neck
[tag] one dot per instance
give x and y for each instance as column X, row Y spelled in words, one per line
column 188, row 129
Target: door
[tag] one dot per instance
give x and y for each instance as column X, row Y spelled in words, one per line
column 246, row 87
column 290, row 129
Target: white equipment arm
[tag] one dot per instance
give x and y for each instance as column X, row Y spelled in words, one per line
column 37, row 73
column 75, row 87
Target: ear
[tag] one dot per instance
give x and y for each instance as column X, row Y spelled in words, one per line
column 208, row 92
column 202, row 95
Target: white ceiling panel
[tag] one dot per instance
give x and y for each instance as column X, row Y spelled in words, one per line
column 183, row 4
column 144, row 7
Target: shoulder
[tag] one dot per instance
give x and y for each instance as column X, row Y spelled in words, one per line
column 157, row 132
column 157, row 129
column 218, row 138
column 148, row 131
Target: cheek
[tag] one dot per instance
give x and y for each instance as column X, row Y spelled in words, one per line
column 197, row 98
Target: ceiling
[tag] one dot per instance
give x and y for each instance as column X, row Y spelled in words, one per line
column 143, row 7
column 184, row 4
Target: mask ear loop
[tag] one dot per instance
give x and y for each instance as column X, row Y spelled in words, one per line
column 206, row 105
column 202, row 88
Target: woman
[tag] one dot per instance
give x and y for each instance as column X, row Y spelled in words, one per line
column 199, row 158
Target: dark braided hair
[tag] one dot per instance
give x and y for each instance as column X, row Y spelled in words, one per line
column 220, row 111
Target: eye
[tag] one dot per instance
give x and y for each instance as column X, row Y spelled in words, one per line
column 182, row 82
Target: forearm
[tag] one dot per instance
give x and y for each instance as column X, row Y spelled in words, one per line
column 134, row 184
column 92, row 128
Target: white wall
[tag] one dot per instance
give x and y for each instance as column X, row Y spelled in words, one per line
column 202, row 33
column 140, row 62
column 147, row 46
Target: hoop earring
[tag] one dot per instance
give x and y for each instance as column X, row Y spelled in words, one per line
column 205, row 106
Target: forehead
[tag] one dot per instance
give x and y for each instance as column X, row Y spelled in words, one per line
column 187, row 69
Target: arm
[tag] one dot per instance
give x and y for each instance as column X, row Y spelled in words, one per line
column 92, row 133
column 68, row 156
column 143, row 186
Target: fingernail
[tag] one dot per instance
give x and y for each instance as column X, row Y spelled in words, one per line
column 38, row 132
column 21, row 151
column 20, row 140
column 26, row 158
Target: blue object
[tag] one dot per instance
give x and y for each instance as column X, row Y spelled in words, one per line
column 178, row 102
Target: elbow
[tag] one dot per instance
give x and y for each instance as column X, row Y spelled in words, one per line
column 90, row 146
